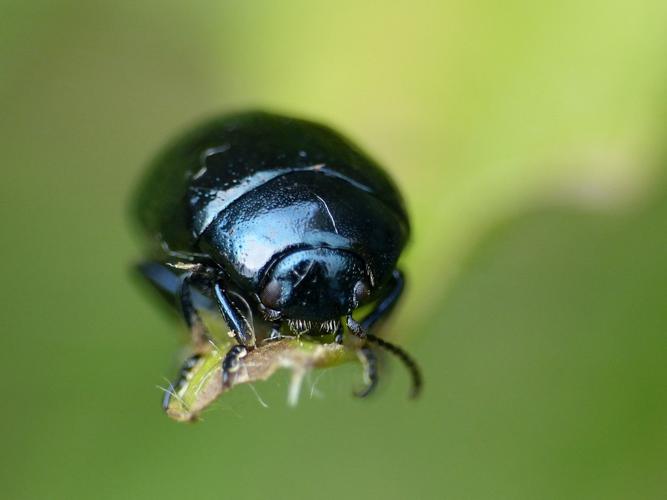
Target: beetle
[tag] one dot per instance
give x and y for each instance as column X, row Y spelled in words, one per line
column 279, row 216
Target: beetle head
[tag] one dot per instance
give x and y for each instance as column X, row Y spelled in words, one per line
column 316, row 284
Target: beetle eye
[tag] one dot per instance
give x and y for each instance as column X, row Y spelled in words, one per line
column 361, row 291
column 271, row 294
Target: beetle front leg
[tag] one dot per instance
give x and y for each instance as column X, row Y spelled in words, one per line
column 275, row 334
column 241, row 329
column 195, row 324
column 178, row 288
column 237, row 323
column 173, row 388
column 338, row 336
column 231, row 363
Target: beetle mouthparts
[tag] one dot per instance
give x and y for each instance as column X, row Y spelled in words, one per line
column 303, row 326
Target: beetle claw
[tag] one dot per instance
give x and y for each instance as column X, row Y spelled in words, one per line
column 338, row 336
column 231, row 363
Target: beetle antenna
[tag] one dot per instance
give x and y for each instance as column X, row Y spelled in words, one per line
column 407, row 360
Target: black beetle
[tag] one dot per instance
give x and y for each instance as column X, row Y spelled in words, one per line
column 287, row 216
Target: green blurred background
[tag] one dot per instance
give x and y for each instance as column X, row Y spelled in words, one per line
column 528, row 138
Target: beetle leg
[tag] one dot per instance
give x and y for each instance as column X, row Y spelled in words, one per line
column 231, row 363
column 369, row 361
column 183, row 374
column 168, row 282
column 338, row 336
column 242, row 330
column 197, row 327
column 173, row 284
column 275, row 333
